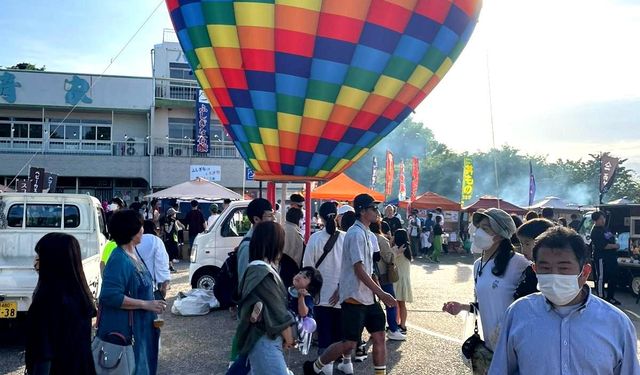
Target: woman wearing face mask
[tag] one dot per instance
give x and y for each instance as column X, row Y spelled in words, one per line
column 497, row 273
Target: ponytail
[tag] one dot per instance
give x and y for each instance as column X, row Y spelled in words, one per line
column 504, row 252
column 330, row 224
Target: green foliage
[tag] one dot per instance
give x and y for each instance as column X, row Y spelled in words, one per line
column 441, row 171
column 27, row 66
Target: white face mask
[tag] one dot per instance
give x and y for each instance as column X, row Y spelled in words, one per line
column 559, row 289
column 481, row 241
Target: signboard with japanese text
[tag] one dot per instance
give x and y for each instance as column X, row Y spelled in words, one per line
column 249, row 174
column 208, row 172
column 467, row 180
column 36, row 177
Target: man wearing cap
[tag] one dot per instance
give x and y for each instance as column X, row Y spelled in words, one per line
column 358, row 292
column 496, row 274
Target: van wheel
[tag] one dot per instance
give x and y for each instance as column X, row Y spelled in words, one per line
column 635, row 285
column 204, row 278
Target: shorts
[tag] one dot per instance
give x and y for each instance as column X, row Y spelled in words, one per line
column 356, row 317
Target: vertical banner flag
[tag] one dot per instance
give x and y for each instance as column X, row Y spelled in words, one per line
column 36, row 178
column 388, row 178
column 467, row 180
column 50, row 182
column 22, row 185
column 402, row 191
column 608, row 168
column 532, row 185
column 415, row 175
column 374, row 172
column 202, row 132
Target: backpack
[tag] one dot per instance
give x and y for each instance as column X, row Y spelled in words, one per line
column 226, row 281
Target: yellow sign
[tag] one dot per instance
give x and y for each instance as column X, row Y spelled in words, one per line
column 467, row 180
column 8, row 310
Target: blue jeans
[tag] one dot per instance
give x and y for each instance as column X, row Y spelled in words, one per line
column 392, row 312
column 266, row 357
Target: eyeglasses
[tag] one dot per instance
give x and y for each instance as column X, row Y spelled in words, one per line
column 372, row 207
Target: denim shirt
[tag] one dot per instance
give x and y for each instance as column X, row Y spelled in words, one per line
column 596, row 338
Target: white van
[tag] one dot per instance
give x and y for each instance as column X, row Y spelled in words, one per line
column 28, row 217
column 210, row 248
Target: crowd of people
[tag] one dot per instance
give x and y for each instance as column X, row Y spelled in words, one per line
column 530, row 291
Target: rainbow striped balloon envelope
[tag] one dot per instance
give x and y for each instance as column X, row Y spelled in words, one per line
column 306, row 87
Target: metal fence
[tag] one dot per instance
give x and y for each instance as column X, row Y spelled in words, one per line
column 161, row 148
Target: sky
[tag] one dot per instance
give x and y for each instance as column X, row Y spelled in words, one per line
column 559, row 78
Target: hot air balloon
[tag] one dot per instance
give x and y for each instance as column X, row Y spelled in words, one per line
column 306, row 87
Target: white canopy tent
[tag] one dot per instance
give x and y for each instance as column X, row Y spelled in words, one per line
column 196, row 189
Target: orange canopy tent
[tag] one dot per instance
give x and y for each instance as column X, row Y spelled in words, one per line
column 431, row 201
column 343, row 188
column 489, row 202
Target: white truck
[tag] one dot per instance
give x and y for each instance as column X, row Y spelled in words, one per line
column 211, row 248
column 27, row 217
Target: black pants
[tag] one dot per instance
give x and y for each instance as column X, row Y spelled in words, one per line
column 606, row 272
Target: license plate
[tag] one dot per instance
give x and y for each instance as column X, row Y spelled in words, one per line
column 8, row 310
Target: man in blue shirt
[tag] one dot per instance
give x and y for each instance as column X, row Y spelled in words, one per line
column 564, row 329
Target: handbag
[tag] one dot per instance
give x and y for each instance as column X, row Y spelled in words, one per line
column 392, row 272
column 475, row 350
column 114, row 355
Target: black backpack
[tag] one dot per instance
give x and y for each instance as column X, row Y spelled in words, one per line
column 226, row 281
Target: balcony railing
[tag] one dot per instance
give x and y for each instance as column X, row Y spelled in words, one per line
column 176, row 89
column 161, row 147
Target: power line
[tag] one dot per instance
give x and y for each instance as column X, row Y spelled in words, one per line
column 48, row 136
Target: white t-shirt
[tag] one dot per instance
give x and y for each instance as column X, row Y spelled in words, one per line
column 330, row 266
column 211, row 220
column 154, row 254
column 495, row 294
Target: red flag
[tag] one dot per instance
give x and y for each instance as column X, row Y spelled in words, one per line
column 402, row 191
column 415, row 172
column 388, row 179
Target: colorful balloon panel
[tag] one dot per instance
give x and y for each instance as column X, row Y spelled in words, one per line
column 306, row 87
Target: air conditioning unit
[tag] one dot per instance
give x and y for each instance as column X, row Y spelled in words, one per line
column 159, row 151
column 177, row 152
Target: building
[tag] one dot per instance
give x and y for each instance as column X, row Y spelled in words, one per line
column 111, row 135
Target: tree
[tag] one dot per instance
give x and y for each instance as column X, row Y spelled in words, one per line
column 27, row 66
column 575, row 181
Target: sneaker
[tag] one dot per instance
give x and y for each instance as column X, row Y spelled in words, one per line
column 347, row 368
column 176, row 261
column 361, row 353
column 396, row 336
column 327, row 369
column 307, row 368
column 171, row 269
column 403, row 330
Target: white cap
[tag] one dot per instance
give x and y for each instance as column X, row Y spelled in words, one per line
column 344, row 209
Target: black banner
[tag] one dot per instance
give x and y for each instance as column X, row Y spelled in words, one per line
column 50, row 182
column 22, row 185
column 608, row 168
column 36, row 176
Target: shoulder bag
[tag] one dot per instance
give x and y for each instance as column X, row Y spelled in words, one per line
column 474, row 348
column 328, row 247
column 113, row 355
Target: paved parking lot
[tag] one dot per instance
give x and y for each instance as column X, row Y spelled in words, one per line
column 200, row 345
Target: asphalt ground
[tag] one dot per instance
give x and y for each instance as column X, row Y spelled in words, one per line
column 201, row 345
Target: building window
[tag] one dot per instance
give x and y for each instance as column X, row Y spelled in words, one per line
column 20, row 128
column 181, row 71
column 180, row 129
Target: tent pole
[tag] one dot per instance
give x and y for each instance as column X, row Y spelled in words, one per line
column 307, row 207
column 283, row 200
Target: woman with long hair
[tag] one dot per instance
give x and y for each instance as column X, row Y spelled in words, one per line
column 382, row 231
column 402, row 287
column 497, row 273
column 265, row 323
column 127, row 305
column 59, row 318
column 327, row 310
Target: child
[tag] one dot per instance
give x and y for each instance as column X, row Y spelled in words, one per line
column 306, row 286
